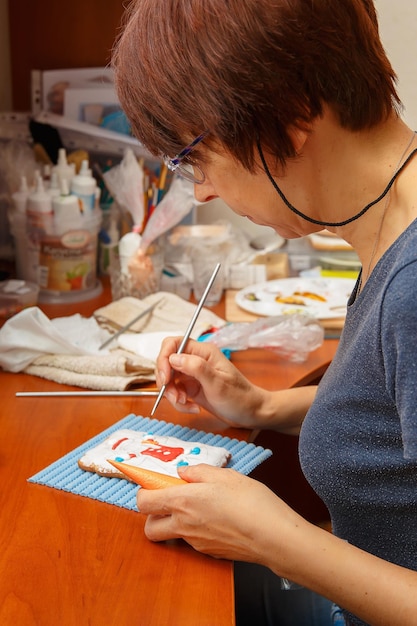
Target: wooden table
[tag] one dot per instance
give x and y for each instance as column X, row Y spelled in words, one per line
column 69, row 560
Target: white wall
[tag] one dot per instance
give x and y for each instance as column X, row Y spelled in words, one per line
column 398, row 27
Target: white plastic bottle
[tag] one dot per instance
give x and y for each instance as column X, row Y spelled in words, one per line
column 84, row 186
column 54, row 188
column 20, row 197
column 65, row 170
column 67, row 210
column 39, row 213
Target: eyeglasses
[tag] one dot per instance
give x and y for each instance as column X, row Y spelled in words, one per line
column 187, row 169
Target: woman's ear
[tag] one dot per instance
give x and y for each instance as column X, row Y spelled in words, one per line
column 298, row 137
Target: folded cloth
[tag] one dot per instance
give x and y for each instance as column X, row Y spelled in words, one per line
column 172, row 314
column 66, row 350
column 30, row 333
column 117, row 371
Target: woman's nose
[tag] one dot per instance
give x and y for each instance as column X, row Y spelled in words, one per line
column 204, row 192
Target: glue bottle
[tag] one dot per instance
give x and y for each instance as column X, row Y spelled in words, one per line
column 20, row 197
column 65, row 170
column 84, row 186
column 54, row 188
column 39, row 210
column 67, row 210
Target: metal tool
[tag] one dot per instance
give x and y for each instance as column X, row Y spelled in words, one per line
column 189, row 330
column 127, row 326
column 59, row 394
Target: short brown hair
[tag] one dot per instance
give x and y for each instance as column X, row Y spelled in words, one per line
column 248, row 68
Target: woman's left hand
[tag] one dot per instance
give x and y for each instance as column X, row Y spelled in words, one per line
column 221, row 513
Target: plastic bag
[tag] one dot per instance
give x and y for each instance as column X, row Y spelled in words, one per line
column 125, row 184
column 292, row 336
column 176, row 204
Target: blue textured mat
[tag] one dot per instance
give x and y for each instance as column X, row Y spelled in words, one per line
column 66, row 475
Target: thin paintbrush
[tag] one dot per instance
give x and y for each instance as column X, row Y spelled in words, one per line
column 189, row 329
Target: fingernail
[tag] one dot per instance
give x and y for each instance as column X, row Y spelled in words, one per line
column 175, row 359
column 170, row 396
column 182, row 398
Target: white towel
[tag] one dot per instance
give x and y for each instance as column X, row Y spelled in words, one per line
column 30, row 333
column 116, row 371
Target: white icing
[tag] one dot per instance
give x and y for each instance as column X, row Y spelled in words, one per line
column 153, row 452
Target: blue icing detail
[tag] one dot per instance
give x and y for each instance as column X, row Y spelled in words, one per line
column 195, row 450
column 182, row 463
column 119, row 459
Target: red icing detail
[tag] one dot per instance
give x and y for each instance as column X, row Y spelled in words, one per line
column 114, row 446
column 164, row 453
column 132, row 455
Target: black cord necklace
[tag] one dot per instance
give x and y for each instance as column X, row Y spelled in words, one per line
column 332, row 224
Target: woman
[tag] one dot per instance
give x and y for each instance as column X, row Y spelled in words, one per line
column 289, row 112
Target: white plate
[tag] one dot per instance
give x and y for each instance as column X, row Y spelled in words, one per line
column 334, row 291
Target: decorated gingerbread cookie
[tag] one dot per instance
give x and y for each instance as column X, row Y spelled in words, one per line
column 161, row 454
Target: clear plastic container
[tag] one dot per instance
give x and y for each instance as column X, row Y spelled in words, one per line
column 137, row 280
column 16, row 295
column 63, row 265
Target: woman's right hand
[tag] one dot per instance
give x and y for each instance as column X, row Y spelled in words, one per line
column 203, row 377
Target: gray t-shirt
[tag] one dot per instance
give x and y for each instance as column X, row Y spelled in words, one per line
column 358, row 443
